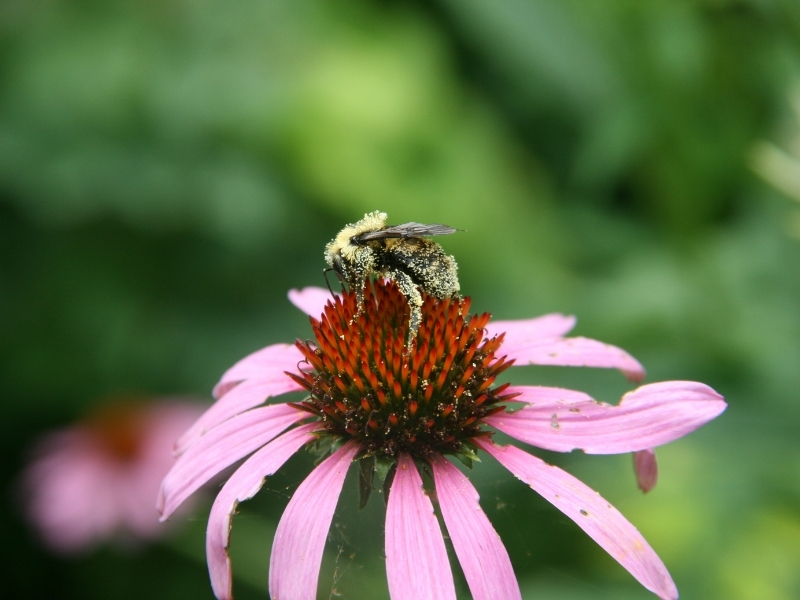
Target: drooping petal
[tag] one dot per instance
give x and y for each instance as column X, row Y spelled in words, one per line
column 572, row 352
column 645, row 466
column 311, row 300
column 303, row 528
column 416, row 558
column 244, row 484
column 649, row 416
column 221, row 447
column 243, row 397
column 601, row 521
column 532, row 331
column 267, row 364
column 480, row 551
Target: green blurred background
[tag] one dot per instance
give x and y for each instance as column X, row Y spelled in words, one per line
column 169, row 169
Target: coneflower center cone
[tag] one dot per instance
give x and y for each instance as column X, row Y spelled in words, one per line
column 368, row 386
column 117, row 426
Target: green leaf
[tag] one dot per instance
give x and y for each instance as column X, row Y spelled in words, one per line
column 383, row 465
column 366, row 473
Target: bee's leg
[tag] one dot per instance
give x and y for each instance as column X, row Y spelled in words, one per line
column 410, row 290
column 363, row 265
column 360, row 296
column 328, row 283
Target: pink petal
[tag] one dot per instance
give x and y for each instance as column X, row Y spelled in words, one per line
column 267, row 364
column 573, row 352
column 244, row 484
column 164, row 422
column 532, row 331
column 592, row 513
column 241, row 398
column 303, row 529
column 221, row 447
column 416, row 558
column 649, row 416
column 481, row 553
column 311, row 300
column 646, row 468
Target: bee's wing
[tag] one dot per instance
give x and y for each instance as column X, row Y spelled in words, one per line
column 407, row 230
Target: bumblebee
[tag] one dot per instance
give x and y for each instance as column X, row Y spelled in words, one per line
column 399, row 252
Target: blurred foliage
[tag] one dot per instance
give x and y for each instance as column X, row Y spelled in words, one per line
column 169, row 169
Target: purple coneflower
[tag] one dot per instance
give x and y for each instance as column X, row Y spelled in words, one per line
column 395, row 409
column 95, row 481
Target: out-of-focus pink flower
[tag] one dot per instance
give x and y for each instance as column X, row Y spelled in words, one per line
column 376, row 400
column 96, row 480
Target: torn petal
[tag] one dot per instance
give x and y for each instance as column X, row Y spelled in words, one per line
column 221, row 447
column 244, row 484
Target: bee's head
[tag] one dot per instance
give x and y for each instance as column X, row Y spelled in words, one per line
column 337, row 266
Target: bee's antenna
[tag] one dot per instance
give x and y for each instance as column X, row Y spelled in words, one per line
column 328, row 283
